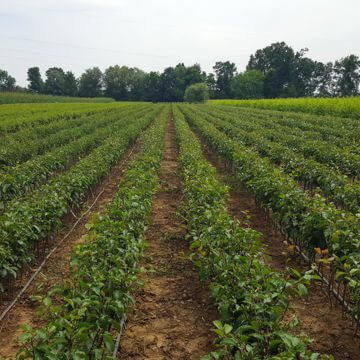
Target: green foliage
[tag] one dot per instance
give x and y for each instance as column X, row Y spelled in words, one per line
column 224, row 71
column 347, row 71
column 287, row 73
column 7, row 82
column 70, row 84
column 122, row 82
column 36, row 83
column 292, row 74
column 83, row 313
column 23, row 97
column 311, row 220
column 293, row 144
column 248, row 85
column 346, row 107
column 91, row 83
column 55, row 81
column 196, row 93
column 211, row 83
column 74, row 143
column 38, row 215
column 251, row 298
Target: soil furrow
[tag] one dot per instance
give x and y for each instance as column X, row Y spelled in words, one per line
column 173, row 313
column 333, row 333
column 56, row 269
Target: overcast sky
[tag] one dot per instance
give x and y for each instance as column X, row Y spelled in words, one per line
column 154, row 34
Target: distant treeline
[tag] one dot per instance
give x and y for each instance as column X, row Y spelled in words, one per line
column 274, row 71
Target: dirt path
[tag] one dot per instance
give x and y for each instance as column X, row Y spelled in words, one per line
column 332, row 333
column 173, row 315
column 56, row 269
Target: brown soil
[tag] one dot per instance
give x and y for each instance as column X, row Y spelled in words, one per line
column 57, row 267
column 173, row 314
column 332, row 332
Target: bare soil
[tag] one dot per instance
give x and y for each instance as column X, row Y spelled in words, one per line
column 173, row 315
column 57, row 267
column 333, row 333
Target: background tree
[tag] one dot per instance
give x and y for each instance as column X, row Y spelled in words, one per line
column 193, row 75
column 35, row 80
column 277, row 63
column 70, row 84
column 124, row 83
column 224, row 71
column 137, row 83
column 211, row 83
column 306, row 75
column 7, row 82
column 55, row 81
column 347, row 74
column 168, row 86
column 326, row 82
column 196, row 93
column 248, row 85
column 151, row 87
column 174, row 81
column 116, row 80
column 91, row 83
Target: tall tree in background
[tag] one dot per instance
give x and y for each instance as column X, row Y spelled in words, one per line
column 151, row 87
column 193, row 75
column 70, row 84
column 91, row 83
column 326, row 82
column 35, row 80
column 168, row 86
column 277, row 63
column 55, row 81
column 224, row 71
column 211, row 83
column 306, row 75
column 7, row 82
column 248, row 85
column 124, row 83
column 174, row 81
column 347, row 73
column 137, row 83
column 116, row 80
column 196, row 93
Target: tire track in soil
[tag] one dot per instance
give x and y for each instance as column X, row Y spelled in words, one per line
column 332, row 332
column 57, row 267
column 173, row 313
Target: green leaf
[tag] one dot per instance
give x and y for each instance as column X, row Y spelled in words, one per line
column 302, row 290
column 109, row 342
column 227, row 328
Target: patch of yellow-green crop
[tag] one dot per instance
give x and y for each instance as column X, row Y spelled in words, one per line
column 343, row 107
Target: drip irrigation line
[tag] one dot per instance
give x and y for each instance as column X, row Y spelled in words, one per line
column 122, row 324
column 36, row 273
column 337, row 295
column 117, row 343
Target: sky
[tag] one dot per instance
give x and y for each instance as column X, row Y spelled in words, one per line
column 155, row 34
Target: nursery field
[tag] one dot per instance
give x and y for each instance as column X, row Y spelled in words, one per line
column 226, row 230
column 22, row 97
column 343, row 106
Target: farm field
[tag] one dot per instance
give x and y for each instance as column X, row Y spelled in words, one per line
column 348, row 107
column 22, row 97
column 226, row 230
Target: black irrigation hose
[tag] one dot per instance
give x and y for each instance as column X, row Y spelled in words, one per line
column 337, row 295
column 36, row 273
